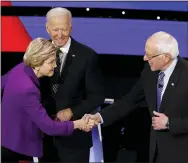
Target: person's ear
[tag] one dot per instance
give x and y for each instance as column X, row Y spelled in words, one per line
column 70, row 28
column 47, row 28
column 168, row 57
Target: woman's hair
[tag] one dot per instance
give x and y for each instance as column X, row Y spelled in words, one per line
column 38, row 51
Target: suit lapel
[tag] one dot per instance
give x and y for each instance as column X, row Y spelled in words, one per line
column 153, row 89
column 68, row 61
column 172, row 84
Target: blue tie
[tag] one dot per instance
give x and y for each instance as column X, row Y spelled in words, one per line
column 160, row 84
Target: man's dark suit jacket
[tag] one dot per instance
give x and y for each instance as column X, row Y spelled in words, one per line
column 172, row 144
column 81, row 89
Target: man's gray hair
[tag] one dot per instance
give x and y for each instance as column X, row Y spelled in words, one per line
column 58, row 11
column 166, row 43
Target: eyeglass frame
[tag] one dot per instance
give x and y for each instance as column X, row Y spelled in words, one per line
column 151, row 57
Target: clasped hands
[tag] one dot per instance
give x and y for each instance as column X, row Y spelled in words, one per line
column 159, row 121
column 64, row 115
column 86, row 123
column 89, row 121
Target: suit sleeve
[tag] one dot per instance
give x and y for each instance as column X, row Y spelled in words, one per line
column 178, row 125
column 125, row 105
column 94, row 87
column 38, row 115
column 4, row 81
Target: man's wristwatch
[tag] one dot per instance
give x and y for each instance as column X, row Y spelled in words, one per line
column 167, row 124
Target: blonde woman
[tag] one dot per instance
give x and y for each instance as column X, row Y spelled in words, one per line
column 23, row 116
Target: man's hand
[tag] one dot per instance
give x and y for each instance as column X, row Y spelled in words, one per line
column 80, row 124
column 159, row 121
column 96, row 118
column 64, row 115
column 88, row 127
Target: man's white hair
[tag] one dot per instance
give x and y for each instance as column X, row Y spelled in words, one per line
column 58, row 11
column 166, row 43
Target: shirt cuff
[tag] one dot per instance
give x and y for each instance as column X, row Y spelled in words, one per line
column 100, row 118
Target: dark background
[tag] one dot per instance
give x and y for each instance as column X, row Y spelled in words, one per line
column 120, row 74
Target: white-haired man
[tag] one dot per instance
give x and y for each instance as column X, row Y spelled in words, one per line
column 76, row 86
column 164, row 87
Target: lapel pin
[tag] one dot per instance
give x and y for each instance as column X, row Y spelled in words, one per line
column 73, row 55
column 172, row 84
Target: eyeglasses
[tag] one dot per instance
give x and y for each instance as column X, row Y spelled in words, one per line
column 151, row 57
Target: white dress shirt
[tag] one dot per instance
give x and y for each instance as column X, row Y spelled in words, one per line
column 168, row 73
column 63, row 55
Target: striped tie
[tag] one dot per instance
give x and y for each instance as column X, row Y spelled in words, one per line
column 56, row 76
column 160, row 84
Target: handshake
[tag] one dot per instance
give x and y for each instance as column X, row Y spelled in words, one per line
column 87, row 122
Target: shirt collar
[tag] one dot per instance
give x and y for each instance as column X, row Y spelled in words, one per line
column 171, row 68
column 65, row 48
